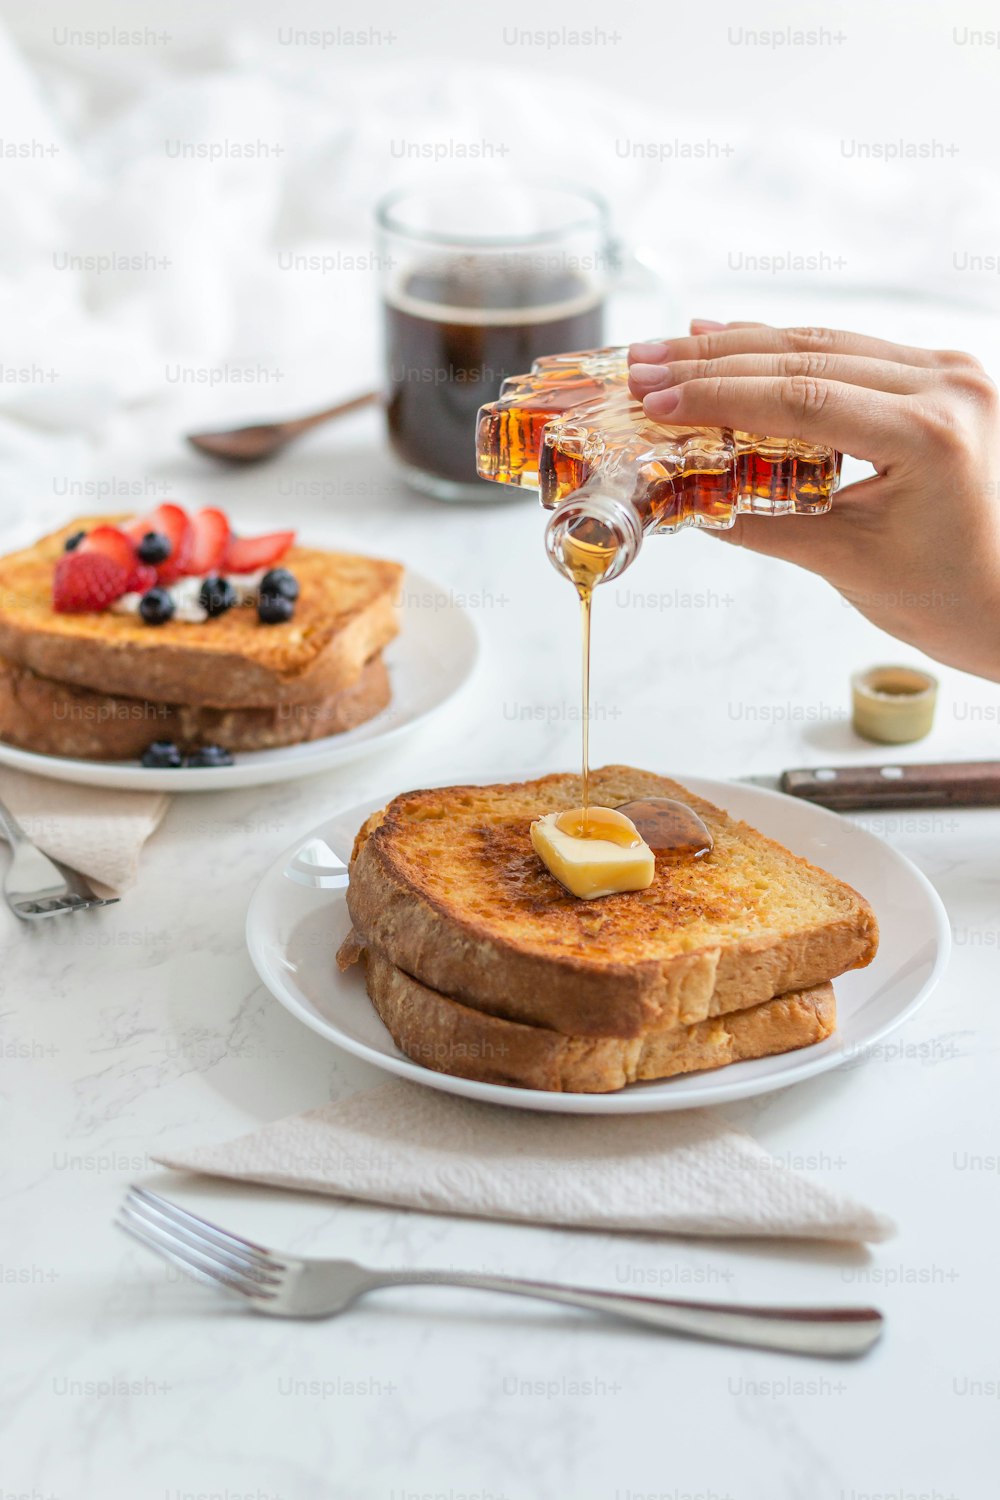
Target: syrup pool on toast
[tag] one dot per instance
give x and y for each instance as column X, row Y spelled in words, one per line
column 670, row 828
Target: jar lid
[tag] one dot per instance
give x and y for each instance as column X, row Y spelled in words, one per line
column 893, row 705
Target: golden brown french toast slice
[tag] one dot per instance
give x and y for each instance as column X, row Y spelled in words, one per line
column 53, row 718
column 345, row 614
column 453, row 1038
column 446, row 885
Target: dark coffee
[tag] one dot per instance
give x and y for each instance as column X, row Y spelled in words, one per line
column 454, row 333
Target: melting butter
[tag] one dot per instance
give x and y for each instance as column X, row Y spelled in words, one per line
column 593, row 866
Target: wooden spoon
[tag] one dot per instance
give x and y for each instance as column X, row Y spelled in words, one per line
column 248, row 445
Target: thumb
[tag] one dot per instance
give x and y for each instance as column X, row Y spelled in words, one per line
column 822, row 544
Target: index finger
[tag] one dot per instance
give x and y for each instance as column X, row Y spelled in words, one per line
column 758, row 338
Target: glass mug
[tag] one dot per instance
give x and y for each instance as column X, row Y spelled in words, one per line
column 479, row 279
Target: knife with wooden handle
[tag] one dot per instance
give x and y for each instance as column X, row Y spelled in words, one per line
column 973, row 783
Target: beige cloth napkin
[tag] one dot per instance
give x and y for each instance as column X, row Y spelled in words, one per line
column 414, row 1147
column 96, row 831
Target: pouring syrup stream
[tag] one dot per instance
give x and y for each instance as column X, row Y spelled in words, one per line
column 588, row 553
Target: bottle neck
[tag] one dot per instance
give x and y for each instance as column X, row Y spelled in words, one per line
column 592, row 538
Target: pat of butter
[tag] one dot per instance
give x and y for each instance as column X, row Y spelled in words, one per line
column 591, row 867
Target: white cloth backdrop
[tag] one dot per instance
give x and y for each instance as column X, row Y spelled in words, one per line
column 93, row 355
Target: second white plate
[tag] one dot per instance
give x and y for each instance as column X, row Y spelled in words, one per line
column 298, row 917
column 433, row 656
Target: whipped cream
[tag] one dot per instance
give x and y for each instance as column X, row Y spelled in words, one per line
column 185, row 594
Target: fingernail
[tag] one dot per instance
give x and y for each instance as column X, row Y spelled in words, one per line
column 651, row 377
column 705, row 325
column 652, row 353
column 661, row 403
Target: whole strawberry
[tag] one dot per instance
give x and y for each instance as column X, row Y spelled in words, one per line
column 86, row 582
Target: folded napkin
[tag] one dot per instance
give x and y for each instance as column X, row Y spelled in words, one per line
column 414, row 1147
column 93, row 830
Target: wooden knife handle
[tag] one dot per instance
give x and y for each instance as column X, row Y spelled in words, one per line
column 974, row 783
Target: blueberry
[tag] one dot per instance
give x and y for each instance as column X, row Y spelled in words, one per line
column 154, row 548
column 208, row 756
column 162, row 755
column 280, row 581
column 72, row 542
column 274, row 609
column 156, row 607
column 217, row 595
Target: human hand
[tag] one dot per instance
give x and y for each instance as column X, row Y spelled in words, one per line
column 916, row 547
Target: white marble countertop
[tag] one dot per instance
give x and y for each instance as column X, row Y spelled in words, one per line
column 146, row 1028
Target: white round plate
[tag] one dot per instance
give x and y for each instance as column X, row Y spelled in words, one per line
column 298, row 917
column 429, row 661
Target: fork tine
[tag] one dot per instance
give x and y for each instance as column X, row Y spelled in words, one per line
column 191, row 1259
column 51, row 906
column 188, row 1266
column 250, row 1267
column 81, row 890
column 221, row 1237
column 183, row 1262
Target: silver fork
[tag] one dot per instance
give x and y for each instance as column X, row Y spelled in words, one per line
column 37, row 886
column 286, row 1286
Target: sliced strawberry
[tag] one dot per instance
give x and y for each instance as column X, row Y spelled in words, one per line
column 86, row 582
column 136, row 530
column 246, row 554
column 112, row 543
column 141, row 579
column 211, row 538
column 172, row 522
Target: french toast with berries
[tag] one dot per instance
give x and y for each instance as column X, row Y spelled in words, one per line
column 170, row 638
column 172, row 609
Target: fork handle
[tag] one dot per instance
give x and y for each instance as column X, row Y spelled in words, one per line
column 12, row 830
column 831, row 1331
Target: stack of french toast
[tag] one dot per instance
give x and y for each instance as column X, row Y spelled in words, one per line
column 150, row 636
column 482, row 964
